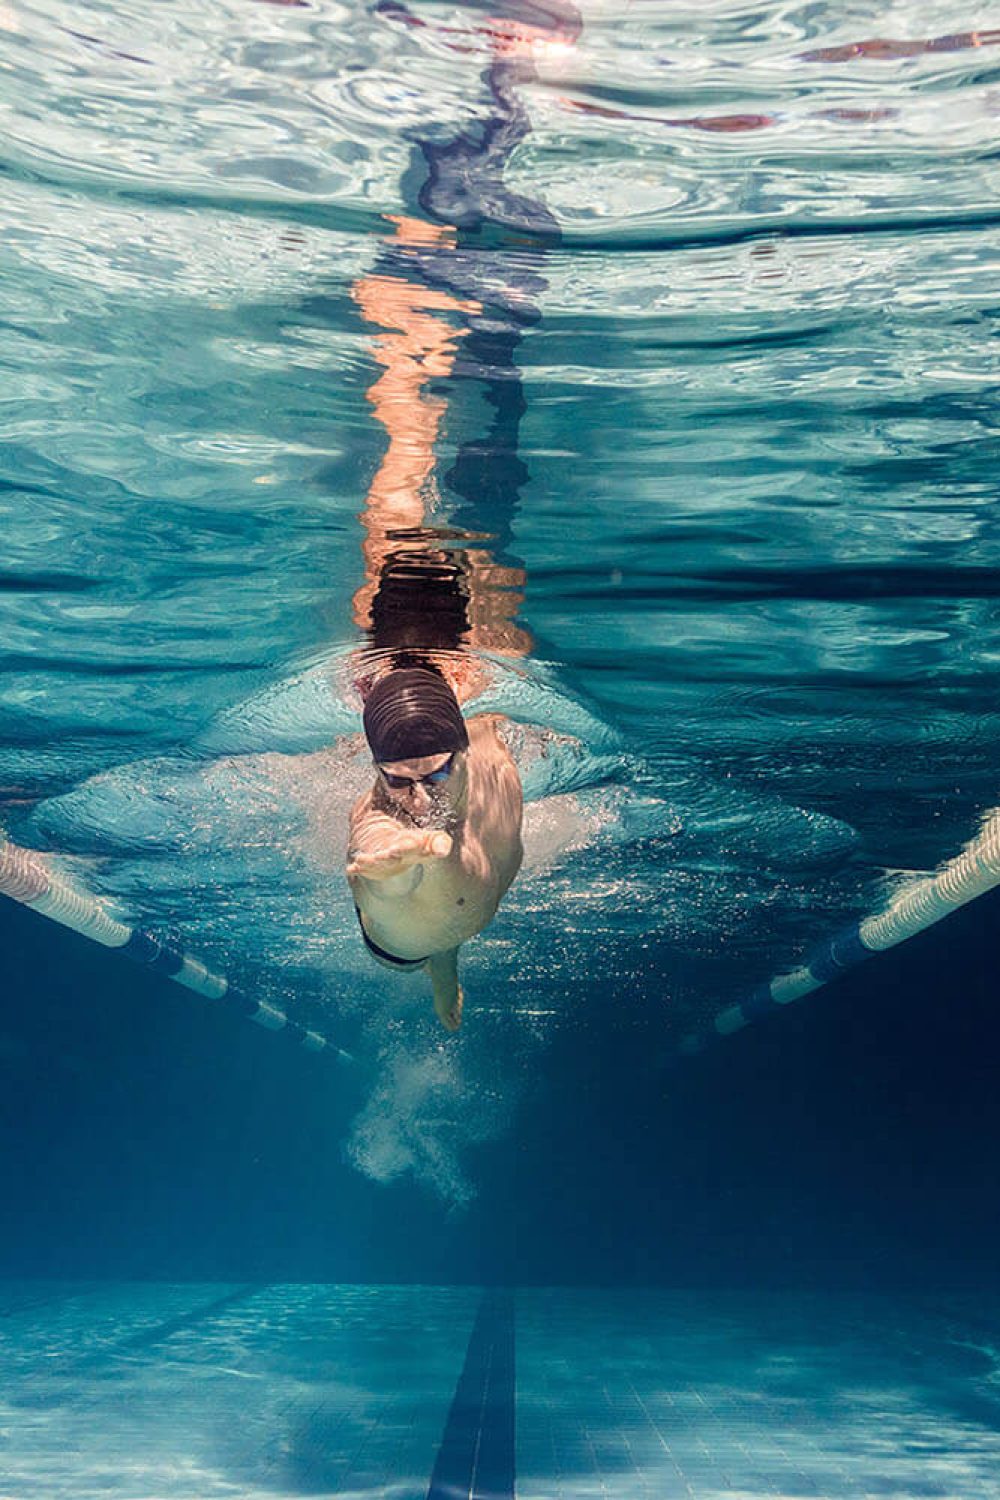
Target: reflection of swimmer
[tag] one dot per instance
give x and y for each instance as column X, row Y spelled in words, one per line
column 435, row 844
column 433, row 589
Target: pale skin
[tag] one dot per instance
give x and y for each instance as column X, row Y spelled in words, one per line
column 428, row 864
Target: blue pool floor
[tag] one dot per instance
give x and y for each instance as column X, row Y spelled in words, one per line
column 142, row 1390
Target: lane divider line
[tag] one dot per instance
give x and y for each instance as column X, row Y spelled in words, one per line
column 26, row 878
column 914, row 908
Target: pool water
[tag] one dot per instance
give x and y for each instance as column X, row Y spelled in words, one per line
column 670, row 332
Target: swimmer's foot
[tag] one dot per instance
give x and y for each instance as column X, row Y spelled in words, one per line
column 448, row 1009
column 448, row 998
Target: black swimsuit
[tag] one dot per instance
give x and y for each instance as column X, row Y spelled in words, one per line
column 390, row 958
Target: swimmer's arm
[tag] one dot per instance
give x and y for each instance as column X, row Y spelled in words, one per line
column 379, row 848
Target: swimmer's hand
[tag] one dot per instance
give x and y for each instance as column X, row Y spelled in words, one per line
column 399, row 854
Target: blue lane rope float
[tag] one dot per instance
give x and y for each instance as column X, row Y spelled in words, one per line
column 27, row 879
column 913, row 909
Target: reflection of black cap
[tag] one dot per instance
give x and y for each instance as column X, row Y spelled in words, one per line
column 412, row 713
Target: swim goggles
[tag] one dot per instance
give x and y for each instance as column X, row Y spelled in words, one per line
column 433, row 778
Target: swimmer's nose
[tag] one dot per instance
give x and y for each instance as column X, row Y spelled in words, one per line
column 420, row 801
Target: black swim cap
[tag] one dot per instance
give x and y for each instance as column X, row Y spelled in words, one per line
column 412, row 713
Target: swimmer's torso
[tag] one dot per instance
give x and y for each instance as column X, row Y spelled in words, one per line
column 439, row 903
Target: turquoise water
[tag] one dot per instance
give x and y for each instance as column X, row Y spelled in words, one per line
column 742, row 270
column 662, row 340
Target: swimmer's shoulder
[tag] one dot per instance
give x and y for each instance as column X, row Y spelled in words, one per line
column 368, row 817
column 362, row 804
column 489, row 746
column 486, row 730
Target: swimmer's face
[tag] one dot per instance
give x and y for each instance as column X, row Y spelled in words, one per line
column 425, row 788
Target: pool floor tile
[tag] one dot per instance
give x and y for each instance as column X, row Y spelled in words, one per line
column 190, row 1392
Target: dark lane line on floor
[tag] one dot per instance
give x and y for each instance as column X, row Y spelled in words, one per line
column 152, row 1336
column 476, row 1457
column 149, row 1337
column 66, row 1294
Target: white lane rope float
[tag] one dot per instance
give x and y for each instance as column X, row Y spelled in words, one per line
column 915, row 907
column 26, row 878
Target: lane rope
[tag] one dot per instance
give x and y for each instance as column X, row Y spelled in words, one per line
column 914, row 908
column 26, row 878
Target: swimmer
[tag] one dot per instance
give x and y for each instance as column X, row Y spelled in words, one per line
column 436, row 842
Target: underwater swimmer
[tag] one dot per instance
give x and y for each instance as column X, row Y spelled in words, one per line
column 436, row 842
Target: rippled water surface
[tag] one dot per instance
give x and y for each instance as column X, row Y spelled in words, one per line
column 697, row 310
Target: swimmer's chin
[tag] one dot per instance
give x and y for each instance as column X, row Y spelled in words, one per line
column 439, row 819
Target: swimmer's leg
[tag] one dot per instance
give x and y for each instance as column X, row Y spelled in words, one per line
column 443, row 969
